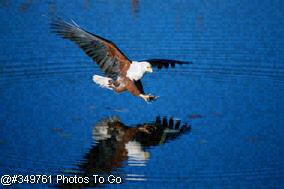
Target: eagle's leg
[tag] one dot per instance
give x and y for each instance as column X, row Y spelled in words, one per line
column 149, row 97
column 145, row 97
column 116, row 87
column 147, row 129
column 113, row 83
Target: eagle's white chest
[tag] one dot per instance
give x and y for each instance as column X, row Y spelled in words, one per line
column 135, row 71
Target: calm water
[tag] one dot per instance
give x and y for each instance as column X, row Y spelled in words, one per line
column 53, row 118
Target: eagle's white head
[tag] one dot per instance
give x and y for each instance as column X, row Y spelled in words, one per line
column 138, row 69
column 146, row 66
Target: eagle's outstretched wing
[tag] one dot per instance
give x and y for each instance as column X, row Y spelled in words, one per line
column 162, row 131
column 165, row 63
column 104, row 52
column 159, row 63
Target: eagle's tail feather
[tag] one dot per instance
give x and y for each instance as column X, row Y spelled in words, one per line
column 102, row 81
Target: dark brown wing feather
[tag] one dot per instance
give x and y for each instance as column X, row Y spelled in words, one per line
column 165, row 63
column 161, row 131
column 139, row 86
column 105, row 53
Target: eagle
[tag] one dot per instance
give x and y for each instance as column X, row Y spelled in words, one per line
column 120, row 73
column 117, row 144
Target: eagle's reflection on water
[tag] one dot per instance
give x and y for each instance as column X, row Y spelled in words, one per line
column 116, row 145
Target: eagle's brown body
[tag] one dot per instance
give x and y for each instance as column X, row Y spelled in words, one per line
column 124, row 84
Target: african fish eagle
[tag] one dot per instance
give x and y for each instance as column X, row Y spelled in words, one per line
column 121, row 74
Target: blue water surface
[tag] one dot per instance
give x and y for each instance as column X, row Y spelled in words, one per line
column 231, row 95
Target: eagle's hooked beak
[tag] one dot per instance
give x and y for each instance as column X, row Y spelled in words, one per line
column 149, row 69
